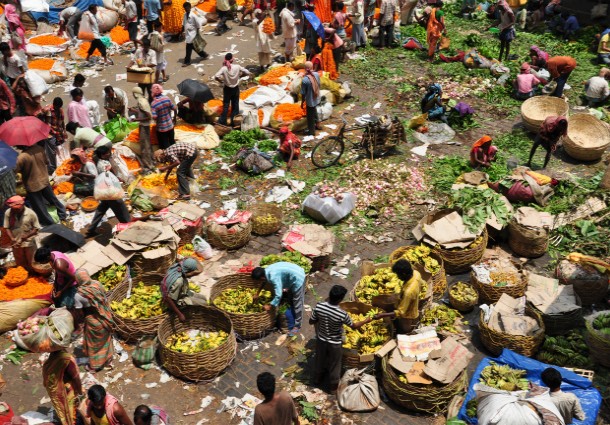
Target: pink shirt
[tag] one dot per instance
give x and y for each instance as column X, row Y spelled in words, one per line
column 526, row 82
column 78, row 112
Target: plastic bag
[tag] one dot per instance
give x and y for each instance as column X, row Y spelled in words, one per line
column 329, row 210
column 107, row 187
column 12, row 312
column 358, row 392
column 120, row 168
column 94, row 112
column 324, row 110
column 118, row 128
column 202, row 248
column 53, row 334
column 156, row 43
column 84, row 30
column 208, row 138
column 253, row 161
column 141, row 201
column 143, row 355
column 249, row 121
column 36, row 84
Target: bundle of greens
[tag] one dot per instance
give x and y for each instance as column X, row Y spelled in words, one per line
column 478, row 205
column 293, row 257
column 236, row 140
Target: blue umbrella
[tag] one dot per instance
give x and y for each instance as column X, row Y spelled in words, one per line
column 315, row 22
column 8, row 157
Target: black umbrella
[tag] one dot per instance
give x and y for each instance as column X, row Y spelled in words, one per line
column 195, row 90
column 66, row 233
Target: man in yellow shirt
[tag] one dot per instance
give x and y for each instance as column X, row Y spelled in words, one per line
column 603, row 49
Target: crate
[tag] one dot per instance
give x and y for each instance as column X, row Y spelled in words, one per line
column 140, row 77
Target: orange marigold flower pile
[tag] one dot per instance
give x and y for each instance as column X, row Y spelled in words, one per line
column 41, row 64
column 134, row 136
column 48, row 40
column 63, row 187
column 119, row 35
column 132, row 163
column 328, row 62
column 34, row 287
column 154, row 180
column 247, row 93
column 208, row 6
column 84, row 48
column 67, row 167
column 288, row 112
column 273, row 76
column 172, row 17
column 188, row 127
column 15, row 276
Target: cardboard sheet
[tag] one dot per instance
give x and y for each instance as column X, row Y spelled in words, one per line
column 453, row 359
column 549, row 296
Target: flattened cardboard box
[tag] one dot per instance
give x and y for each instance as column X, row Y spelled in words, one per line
column 453, row 359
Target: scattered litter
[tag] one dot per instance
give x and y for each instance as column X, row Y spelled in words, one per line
column 230, row 205
column 164, row 378
column 377, row 105
column 145, row 396
column 342, row 273
column 308, row 138
column 45, row 400
column 112, row 380
column 228, row 192
column 206, row 401
column 276, row 174
column 322, row 135
column 151, row 385
column 331, row 126
column 281, row 339
column 421, row 150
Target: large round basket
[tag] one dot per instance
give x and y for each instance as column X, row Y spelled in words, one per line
column 587, row 137
column 148, row 269
column 430, row 399
column 598, row 342
column 247, row 326
column 351, row 358
column 490, row 294
column 229, row 241
column 132, row 329
column 589, row 284
column 538, row 108
column 198, row 366
column 462, row 305
column 262, row 210
column 188, row 232
column 561, row 324
column 439, row 279
column 496, row 341
column 458, row 261
column 527, row 242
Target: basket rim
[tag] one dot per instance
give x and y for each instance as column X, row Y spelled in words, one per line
column 589, row 121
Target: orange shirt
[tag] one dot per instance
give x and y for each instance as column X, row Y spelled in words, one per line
column 560, row 65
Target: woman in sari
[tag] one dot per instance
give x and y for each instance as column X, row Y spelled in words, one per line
column 538, row 58
column 64, row 286
column 62, row 382
column 15, row 26
column 91, row 302
column 432, row 103
column 553, row 128
column 435, row 29
column 483, row 152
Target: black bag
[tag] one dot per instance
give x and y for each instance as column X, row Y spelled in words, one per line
column 253, row 161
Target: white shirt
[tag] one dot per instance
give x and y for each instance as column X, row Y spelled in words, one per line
column 191, row 26
column 262, row 40
column 131, row 12
column 358, row 12
column 230, row 78
column 88, row 137
column 67, row 13
column 146, row 59
column 160, row 55
column 598, row 88
column 14, row 63
column 92, row 19
column 289, row 29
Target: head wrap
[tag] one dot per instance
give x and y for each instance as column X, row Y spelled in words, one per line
column 312, row 78
column 80, row 154
column 227, row 63
column 15, row 202
column 11, row 15
column 156, row 90
column 137, row 91
column 82, row 276
column 143, row 104
column 540, row 53
column 553, row 128
column 284, row 130
column 176, row 271
column 481, row 141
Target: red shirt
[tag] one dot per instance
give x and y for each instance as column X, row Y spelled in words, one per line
column 559, row 65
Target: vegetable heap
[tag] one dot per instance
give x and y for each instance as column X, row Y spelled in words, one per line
column 240, row 300
column 369, row 337
column 15, row 276
column 464, row 292
column 478, row 206
column 196, row 341
column 236, row 140
column 382, row 282
column 268, row 145
column 445, row 318
column 569, row 350
column 31, row 325
column 145, row 302
column 421, row 255
column 188, row 250
column 34, row 287
column 293, row 257
column 504, row 377
column 111, row 276
column 602, row 323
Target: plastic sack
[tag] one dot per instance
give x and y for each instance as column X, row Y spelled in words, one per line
column 201, row 247
column 437, row 133
column 118, row 128
column 156, row 43
column 253, row 161
column 35, row 83
column 141, row 201
column 358, row 392
column 106, row 19
column 249, row 121
column 328, row 210
column 418, row 121
column 208, row 138
column 56, row 74
column 84, row 30
column 324, row 110
column 94, row 112
column 54, row 333
column 120, row 168
column 12, row 312
column 143, row 355
column 107, row 187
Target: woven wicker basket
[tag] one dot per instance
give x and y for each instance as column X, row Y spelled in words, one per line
column 463, row 306
column 561, row 324
column 147, row 269
column 598, row 342
column 590, row 291
column 132, row 329
column 351, row 358
column 527, row 242
column 459, row 261
column 189, row 232
column 587, row 137
column 439, row 279
column 430, row 399
column 536, row 109
column 496, row 341
column 222, row 130
column 489, row 294
column 247, row 326
column 229, row 241
column 198, row 366
column 261, row 210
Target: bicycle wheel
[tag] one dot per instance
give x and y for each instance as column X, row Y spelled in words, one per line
column 327, row 152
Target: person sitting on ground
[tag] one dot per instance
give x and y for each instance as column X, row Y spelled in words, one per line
column 78, row 111
column 525, row 83
column 154, row 415
column 181, row 155
column 316, row 58
column 115, row 102
column 102, row 408
column 570, row 25
column 432, row 103
column 552, row 130
column 597, row 90
column 567, row 403
column 290, row 146
column 175, row 286
column 86, row 137
column 86, row 173
column 276, row 408
column 191, row 111
column 483, row 152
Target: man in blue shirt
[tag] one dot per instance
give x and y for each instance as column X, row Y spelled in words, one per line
column 153, row 7
column 310, row 92
column 284, row 276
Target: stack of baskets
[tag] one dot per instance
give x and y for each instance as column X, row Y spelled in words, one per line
column 598, row 342
column 538, row 108
column 229, row 240
column 526, row 241
column 489, row 294
column 429, row 399
column 587, row 137
column 132, row 329
column 262, row 210
column 495, row 341
column 251, row 325
column 439, row 279
column 201, row 366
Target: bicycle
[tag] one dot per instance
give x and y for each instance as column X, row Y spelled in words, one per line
column 379, row 137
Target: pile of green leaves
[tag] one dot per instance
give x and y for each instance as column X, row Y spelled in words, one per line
column 293, row 257
column 478, row 205
column 268, row 145
column 571, row 193
column 236, row 140
column 446, row 170
column 581, row 236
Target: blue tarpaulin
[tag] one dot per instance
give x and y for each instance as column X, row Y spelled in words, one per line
column 53, row 15
column 589, row 397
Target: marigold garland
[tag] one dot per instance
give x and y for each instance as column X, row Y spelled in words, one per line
column 261, row 117
column 268, row 25
column 208, row 6
column 48, row 40
column 132, row 163
column 274, row 75
column 67, row 167
column 328, row 62
column 63, row 187
column 120, row 35
column 41, row 64
column 322, row 9
column 84, row 48
column 288, row 112
column 34, row 287
column 134, row 136
column 172, row 17
column 15, row 276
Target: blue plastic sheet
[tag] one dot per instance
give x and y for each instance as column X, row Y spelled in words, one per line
column 589, row 397
column 53, row 15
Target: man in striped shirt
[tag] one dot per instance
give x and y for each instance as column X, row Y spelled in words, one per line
column 181, row 155
column 162, row 108
column 329, row 319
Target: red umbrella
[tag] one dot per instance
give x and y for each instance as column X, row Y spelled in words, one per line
column 24, row 131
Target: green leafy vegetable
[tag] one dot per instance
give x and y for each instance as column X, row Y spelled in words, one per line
column 478, row 205
column 293, row 257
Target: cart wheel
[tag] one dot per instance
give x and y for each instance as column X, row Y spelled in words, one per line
column 327, row 152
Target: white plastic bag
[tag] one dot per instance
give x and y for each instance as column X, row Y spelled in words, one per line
column 94, row 112
column 358, row 392
column 329, row 210
column 120, row 168
column 107, row 187
column 36, row 84
column 249, row 121
column 324, row 110
column 53, row 333
column 201, row 247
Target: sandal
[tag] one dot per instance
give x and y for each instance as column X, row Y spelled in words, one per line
column 184, row 198
column 294, row 332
